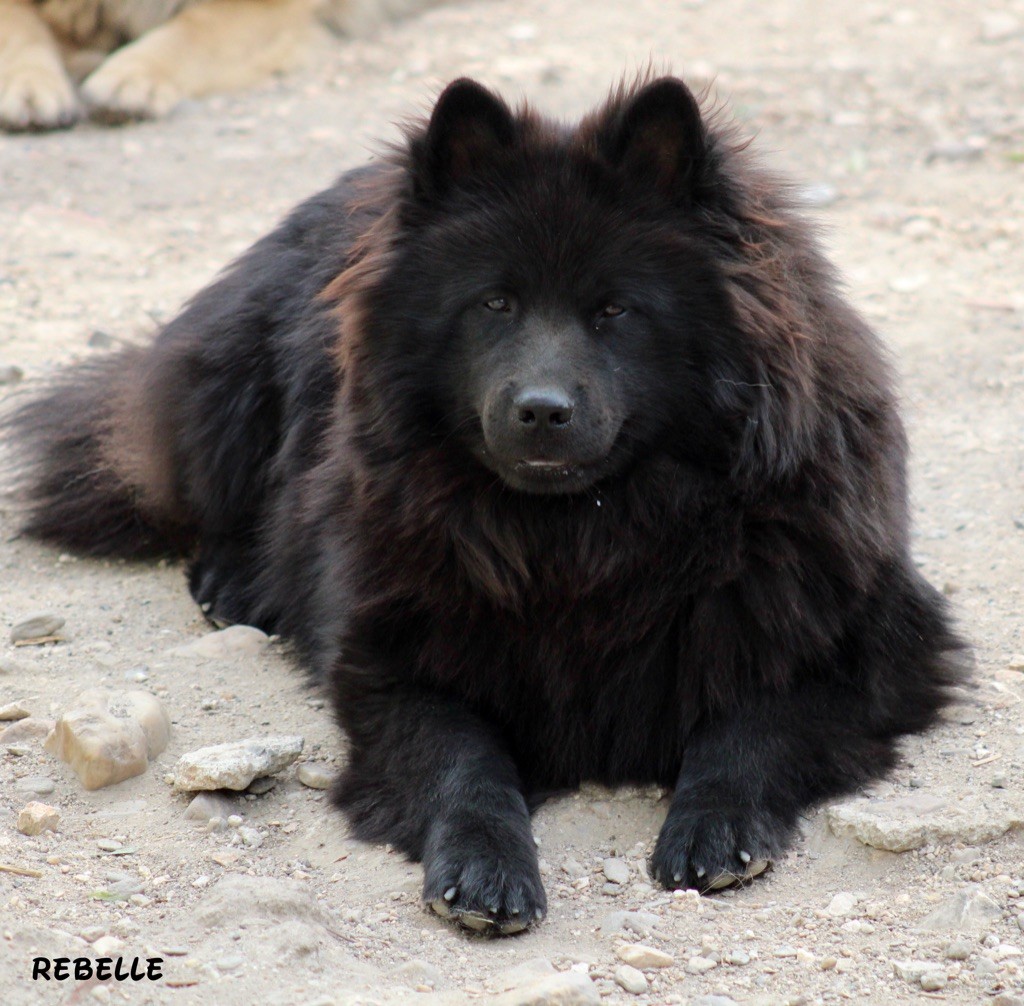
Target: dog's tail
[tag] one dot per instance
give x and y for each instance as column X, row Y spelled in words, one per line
column 89, row 465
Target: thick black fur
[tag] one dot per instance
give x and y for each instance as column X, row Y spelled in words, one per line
column 702, row 580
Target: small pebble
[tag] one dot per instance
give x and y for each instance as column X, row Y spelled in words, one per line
column 35, row 818
column 959, row 950
column 231, row 963
column 315, row 775
column 640, row 956
column 13, row 711
column 251, row 837
column 700, row 965
column 630, row 979
column 933, row 981
column 107, row 845
column 616, row 870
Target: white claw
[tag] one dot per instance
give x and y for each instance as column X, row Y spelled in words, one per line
column 538, row 913
column 701, row 872
column 441, row 908
column 677, row 877
column 744, row 856
column 449, row 895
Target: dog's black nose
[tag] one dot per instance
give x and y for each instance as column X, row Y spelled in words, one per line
column 543, row 407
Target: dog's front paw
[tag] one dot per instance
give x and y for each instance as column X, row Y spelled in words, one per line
column 712, row 849
column 130, row 85
column 484, row 878
column 35, row 92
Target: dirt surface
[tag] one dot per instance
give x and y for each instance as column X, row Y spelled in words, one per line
column 907, row 123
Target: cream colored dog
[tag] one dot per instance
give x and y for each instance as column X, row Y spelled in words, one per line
column 131, row 59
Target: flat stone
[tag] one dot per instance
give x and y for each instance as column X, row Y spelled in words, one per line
column 237, row 764
column 528, row 971
column 28, row 730
column 842, row 904
column 417, row 972
column 967, row 911
column 700, row 965
column 640, row 956
column 236, row 642
column 616, row 870
column 14, row 711
column 237, row 899
column 315, row 775
column 107, row 946
column 934, row 981
column 912, row 971
column 205, row 806
column 924, row 819
column 37, row 784
column 640, row 923
column 959, row 950
column 35, row 818
column 37, row 628
column 570, row 988
column 630, row 979
column 998, row 26
column 107, row 737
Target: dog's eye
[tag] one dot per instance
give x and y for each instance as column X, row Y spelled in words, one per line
column 498, row 304
column 611, row 311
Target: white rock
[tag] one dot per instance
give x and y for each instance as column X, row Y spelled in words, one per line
column 924, row 819
column 237, row 764
column 640, row 956
column 315, row 775
column 110, row 736
column 531, row 970
column 42, row 626
column 630, row 979
column 37, row 784
column 912, row 971
column 417, row 972
column 640, row 923
column 236, row 899
column 842, row 904
column 32, row 729
column 206, row 805
column 969, row 910
column 933, row 981
column 233, row 643
column 35, row 818
column 998, row 26
column 14, row 711
column 570, row 988
column 616, row 870
column 107, row 946
column 700, row 965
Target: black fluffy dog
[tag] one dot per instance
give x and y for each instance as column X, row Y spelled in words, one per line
column 559, row 457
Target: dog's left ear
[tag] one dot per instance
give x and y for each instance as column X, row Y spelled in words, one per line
column 658, row 137
column 470, row 129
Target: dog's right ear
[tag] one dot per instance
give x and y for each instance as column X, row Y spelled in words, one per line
column 470, row 129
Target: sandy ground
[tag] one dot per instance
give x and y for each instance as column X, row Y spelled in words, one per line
column 907, row 121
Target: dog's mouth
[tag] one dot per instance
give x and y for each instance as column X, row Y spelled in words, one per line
column 551, row 475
